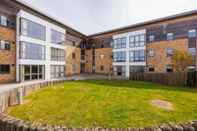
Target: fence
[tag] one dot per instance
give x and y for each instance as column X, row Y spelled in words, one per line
column 171, row 79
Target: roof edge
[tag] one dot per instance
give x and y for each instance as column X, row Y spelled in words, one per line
column 171, row 17
column 48, row 16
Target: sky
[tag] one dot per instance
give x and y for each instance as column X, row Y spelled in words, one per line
column 93, row 16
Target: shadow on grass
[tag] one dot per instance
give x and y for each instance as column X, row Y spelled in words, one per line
column 138, row 85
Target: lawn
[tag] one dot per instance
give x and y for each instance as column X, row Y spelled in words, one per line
column 102, row 103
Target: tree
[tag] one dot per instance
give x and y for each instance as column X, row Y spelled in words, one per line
column 181, row 60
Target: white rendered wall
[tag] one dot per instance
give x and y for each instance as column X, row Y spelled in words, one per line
column 47, row 43
column 127, row 64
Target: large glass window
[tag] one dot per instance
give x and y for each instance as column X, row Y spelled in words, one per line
column 32, row 51
column 33, row 30
column 137, row 41
column 4, row 69
column 57, row 54
column 57, row 37
column 120, row 43
column 32, row 72
column 119, row 56
column 57, row 71
column 137, row 56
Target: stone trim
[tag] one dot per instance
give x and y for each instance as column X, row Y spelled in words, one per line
column 8, row 123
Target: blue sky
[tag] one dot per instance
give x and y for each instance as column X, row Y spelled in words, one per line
column 93, row 16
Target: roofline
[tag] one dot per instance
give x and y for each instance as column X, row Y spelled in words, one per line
column 23, row 3
column 180, row 15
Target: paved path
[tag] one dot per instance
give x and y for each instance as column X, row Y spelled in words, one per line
column 7, row 87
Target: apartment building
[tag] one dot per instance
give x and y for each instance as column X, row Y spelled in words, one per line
column 35, row 46
column 144, row 47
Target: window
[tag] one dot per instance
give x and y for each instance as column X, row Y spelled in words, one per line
column 151, row 69
column 57, row 71
column 73, row 56
column 4, row 69
column 192, row 33
column 137, row 56
column 74, row 68
column 32, row 72
column 32, row 51
column 102, row 68
column 57, row 54
column 192, row 51
column 57, row 37
column 151, row 53
column 169, row 52
column 170, row 36
column 169, row 68
column 119, row 43
column 4, row 21
column 152, row 38
column 137, row 41
column 33, row 30
column 4, row 45
column 119, row 56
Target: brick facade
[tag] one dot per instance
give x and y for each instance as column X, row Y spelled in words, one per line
column 103, row 60
column 88, row 61
column 160, row 59
column 73, row 57
column 8, row 57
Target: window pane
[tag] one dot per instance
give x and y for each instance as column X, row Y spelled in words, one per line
column 32, row 51
column 33, row 30
column 57, row 37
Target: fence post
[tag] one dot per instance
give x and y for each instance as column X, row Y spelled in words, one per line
column 20, row 95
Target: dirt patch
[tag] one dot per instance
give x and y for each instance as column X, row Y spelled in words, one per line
column 162, row 104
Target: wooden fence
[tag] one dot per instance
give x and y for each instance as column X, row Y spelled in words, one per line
column 171, row 79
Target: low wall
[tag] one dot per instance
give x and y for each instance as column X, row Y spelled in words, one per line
column 8, row 123
column 14, row 96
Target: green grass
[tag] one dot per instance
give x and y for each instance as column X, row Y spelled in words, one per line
column 102, row 103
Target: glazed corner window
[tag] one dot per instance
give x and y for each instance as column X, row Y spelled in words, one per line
column 137, row 56
column 31, row 51
column 4, row 45
column 192, row 33
column 4, row 69
column 33, row 30
column 4, row 21
column 169, row 68
column 169, row 52
column 57, row 54
column 119, row 56
column 151, row 53
column 137, row 40
column 151, row 38
column 57, row 37
column 170, row 36
column 120, row 43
